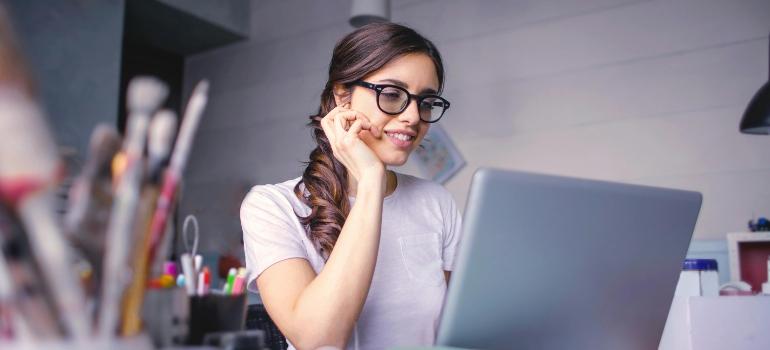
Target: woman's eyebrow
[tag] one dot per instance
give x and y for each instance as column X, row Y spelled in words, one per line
column 405, row 86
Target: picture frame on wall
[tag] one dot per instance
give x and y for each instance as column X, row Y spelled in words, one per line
column 438, row 157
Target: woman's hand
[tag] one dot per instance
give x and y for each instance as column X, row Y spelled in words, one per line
column 343, row 127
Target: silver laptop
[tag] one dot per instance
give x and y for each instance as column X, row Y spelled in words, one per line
column 551, row 262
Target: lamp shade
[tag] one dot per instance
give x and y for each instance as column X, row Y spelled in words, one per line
column 756, row 119
column 364, row 12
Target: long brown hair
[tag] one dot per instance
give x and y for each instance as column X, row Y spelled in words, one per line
column 323, row 186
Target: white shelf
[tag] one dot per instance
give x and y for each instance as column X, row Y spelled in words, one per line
column 718, row 323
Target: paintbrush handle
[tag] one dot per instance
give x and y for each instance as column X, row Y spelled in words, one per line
column 121, row 225
column 162, row 210
column 6, row 283
column 173, row 174
column 132, row 303
column 39, row 217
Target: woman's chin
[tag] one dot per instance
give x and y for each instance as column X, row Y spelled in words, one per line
column 395, row 160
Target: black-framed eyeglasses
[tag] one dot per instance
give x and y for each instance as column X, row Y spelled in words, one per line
column 393, row 99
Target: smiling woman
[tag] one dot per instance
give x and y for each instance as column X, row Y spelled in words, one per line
column 351, row 254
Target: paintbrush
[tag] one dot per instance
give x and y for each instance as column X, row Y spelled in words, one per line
column 105, row 142
column 161, row 135
column 162, row 132
column 90, row 200
column 193, row 113
column 144, row 96
column 32, row 300
column 29, row 172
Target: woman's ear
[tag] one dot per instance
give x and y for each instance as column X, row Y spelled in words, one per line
column 341, row 94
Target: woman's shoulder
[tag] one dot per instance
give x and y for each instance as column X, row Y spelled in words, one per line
column 280, row 194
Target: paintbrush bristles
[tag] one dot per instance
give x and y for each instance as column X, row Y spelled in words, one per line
column 26, row 146
column 105, row 142
column 192, row 116
column 161, row 136
column 145, row 94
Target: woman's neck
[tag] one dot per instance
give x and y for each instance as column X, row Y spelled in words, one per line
column 391, row 186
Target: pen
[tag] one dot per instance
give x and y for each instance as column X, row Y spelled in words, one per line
column 230, row 281
column 204, row 281
column 239, row 280
column 189, row 273
column 198, row 263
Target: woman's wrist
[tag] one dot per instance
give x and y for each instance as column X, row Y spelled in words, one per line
column 374, row 177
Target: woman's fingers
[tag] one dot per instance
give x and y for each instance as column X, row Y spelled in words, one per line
column 342, row 126
column 357, row 126
column 350, row 116
column 339, row 124
column 327, row 124
column 375, row 131
column 367, row 124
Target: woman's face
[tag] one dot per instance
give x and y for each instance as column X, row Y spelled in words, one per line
column 417, row 74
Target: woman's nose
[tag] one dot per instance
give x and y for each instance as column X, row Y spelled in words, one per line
column 411, row 114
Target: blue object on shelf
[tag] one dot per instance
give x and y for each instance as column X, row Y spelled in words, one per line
column 762, row 224
column 700, row 265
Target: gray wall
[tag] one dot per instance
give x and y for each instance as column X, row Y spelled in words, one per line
column 648, row 92
column 230, row 14
column 74, row 48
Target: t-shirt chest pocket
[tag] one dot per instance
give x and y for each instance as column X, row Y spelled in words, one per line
column 422, row 258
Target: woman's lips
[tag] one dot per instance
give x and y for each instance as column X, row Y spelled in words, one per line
column 400, row 140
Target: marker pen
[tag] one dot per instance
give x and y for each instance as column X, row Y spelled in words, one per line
column 230, row 281
column 204, row 281
column 239, row 280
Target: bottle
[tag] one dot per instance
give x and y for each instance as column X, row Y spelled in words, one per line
column 699, row 277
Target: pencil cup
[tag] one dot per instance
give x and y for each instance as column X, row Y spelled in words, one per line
column 215, row 313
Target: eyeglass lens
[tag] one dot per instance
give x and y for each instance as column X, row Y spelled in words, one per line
column 394, row 100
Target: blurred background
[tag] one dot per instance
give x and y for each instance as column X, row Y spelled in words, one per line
column 641, row 91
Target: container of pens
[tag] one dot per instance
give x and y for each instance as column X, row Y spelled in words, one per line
column 214, row 313
column 175, row 313
column 211, row 310
column 218, row 310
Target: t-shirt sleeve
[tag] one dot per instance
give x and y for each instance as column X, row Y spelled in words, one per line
column 452, row 233
column 269, row 233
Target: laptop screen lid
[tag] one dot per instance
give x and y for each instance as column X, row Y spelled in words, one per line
column 550, row 262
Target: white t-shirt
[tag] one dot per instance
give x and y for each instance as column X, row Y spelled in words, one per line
column 418, row 240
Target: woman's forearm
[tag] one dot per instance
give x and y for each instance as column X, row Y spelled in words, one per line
column 328, row 308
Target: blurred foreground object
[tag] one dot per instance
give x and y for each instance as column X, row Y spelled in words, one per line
column 30, row 170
